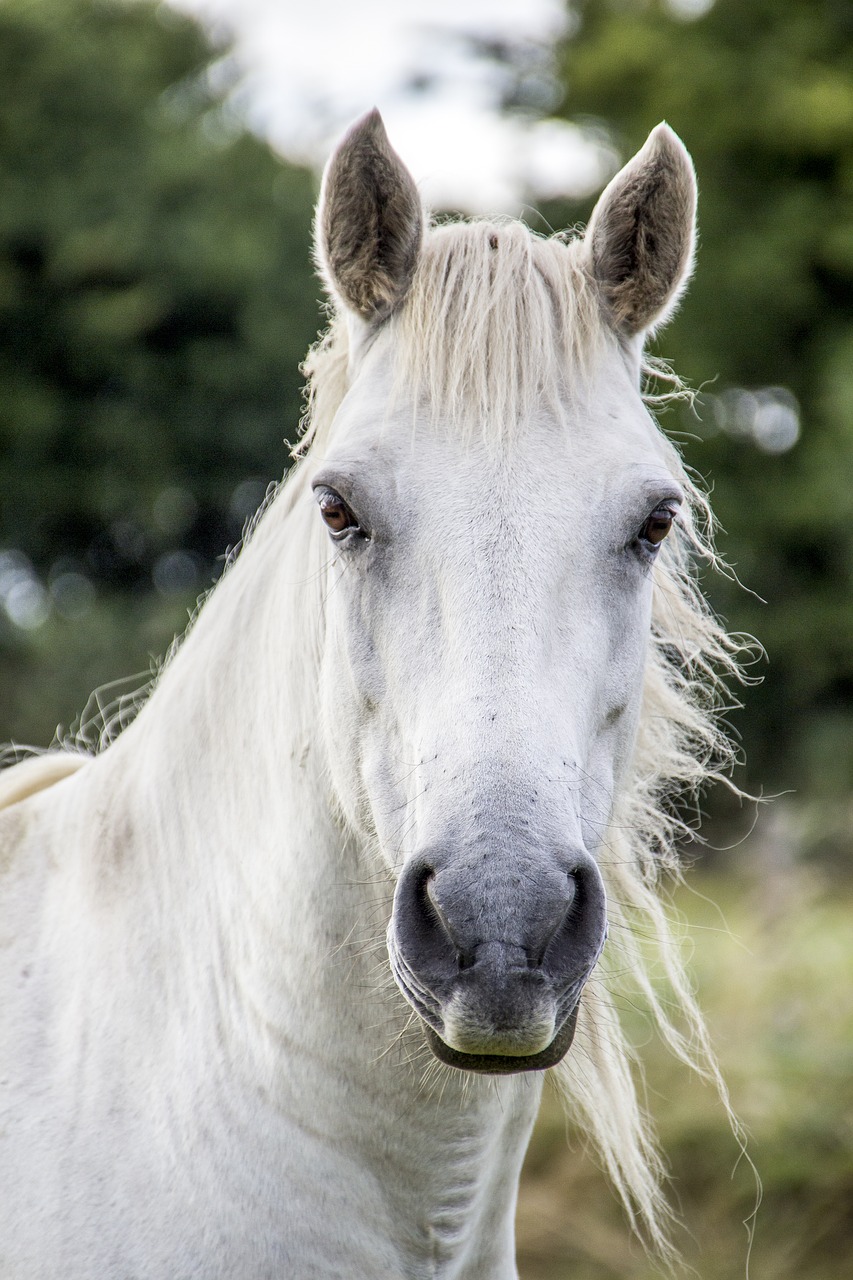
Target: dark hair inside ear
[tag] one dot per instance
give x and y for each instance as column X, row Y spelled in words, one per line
column 642, row 232
column 370, row 222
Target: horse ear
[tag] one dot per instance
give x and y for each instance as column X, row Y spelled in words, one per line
column 642, row 234
column 369, row 222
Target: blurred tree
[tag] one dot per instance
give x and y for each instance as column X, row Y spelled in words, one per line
column 762, row 93
column 156, row 297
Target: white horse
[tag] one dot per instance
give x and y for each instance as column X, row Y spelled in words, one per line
column 284, row 966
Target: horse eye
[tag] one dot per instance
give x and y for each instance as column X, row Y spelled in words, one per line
column 657, row 526
column 337, row 515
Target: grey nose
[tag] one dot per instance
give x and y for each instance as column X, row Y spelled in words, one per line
column 547, row 925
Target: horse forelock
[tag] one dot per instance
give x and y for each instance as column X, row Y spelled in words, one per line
column 497, row 322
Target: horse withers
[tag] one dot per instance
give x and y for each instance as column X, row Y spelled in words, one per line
column 284, row 965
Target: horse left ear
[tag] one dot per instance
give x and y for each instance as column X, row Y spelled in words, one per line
column 642, row 234
column 369, row 224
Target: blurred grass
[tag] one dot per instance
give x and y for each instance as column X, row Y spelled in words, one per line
column 774, row 970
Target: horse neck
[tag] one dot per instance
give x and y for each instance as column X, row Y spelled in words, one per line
column 218, row 777
column 256, row 881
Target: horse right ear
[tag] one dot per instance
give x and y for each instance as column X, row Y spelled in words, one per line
column 369, row 224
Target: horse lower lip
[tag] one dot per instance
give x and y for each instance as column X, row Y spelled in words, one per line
column 498, row 1064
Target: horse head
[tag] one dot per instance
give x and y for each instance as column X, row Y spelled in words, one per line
column 496, row 499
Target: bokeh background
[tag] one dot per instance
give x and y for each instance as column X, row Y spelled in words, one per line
column 158, row 168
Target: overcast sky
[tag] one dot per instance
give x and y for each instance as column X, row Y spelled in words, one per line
column 309, row 68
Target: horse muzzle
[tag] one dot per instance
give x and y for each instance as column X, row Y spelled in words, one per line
column 494, row 957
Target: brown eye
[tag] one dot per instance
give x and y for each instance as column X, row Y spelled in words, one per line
column 657, row 526
column 337, row 515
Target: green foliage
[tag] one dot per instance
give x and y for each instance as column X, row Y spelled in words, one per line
column 762, row 93
column 156, row 298
column 156, row 293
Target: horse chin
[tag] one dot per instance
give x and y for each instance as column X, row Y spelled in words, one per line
column 506, row 1064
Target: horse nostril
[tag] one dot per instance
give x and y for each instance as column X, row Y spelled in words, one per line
column 574, row 904
column 427, row 903
column 565, row 911
column 423, row 880
column 427, row 894
column 421, row 925
column 464, row 958
column 576, row 942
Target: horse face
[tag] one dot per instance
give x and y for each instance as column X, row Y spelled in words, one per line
column 486, row 620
